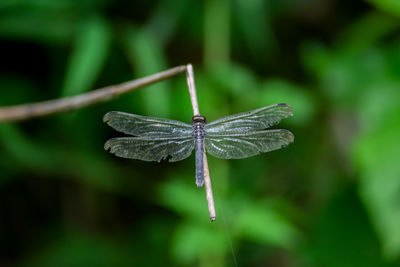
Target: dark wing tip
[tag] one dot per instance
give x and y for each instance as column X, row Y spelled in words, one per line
column 108, row 144
column 289, row 133
column 285, row 105
column 106, row 116
column 290, row 108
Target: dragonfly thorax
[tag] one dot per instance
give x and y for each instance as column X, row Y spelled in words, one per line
column 198, row 123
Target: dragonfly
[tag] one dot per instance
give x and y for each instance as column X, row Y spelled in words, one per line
column 236, row 136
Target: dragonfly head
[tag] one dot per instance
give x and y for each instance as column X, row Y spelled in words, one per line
column 198, row 118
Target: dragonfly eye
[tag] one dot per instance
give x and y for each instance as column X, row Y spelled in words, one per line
column 198, row 118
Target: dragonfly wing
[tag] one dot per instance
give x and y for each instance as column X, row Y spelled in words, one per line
column 243, row 145
column 151, row 149
column 258, row 119
column 145, row 126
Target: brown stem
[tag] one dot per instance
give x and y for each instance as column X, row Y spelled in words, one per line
column 207, row 179
column 39, row 109
column 49, row 107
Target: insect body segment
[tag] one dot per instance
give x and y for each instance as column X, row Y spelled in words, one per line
column 198, row 134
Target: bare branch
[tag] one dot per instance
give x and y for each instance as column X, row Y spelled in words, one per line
column 208, row 188
column 192, row 89
column 50, row 107
column 39, row 109
column 207, row 179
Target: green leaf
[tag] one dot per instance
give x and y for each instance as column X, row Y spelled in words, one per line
column 279, row 91
column 72, row 163
column 147, row 58
column 193, row 241
column 185, row 199
column 233, row 79
column 217, row 31
column 90, row 52
column 376, row 154
column 26, row 152
column 356, row 38
column 257, row 221
column 390, row 6
column 344, row 75
column 165, row 19
column 378, row 104
column 253, row 21
column 342, row 234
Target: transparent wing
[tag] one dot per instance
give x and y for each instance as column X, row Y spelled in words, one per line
column 243, row 145
column 145, row 126
column 151, row 149
column 258, row 119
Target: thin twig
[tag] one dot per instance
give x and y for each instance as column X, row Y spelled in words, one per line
column 50, row 107
column 192, row 89
column 208, row 188
column 195, row 106
column 39, row 109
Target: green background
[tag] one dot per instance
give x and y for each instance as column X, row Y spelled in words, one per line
column 332, row 198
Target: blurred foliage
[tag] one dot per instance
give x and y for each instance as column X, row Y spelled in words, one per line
column 329, row 199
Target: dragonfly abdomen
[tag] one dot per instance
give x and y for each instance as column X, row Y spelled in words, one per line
column 198, row 134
